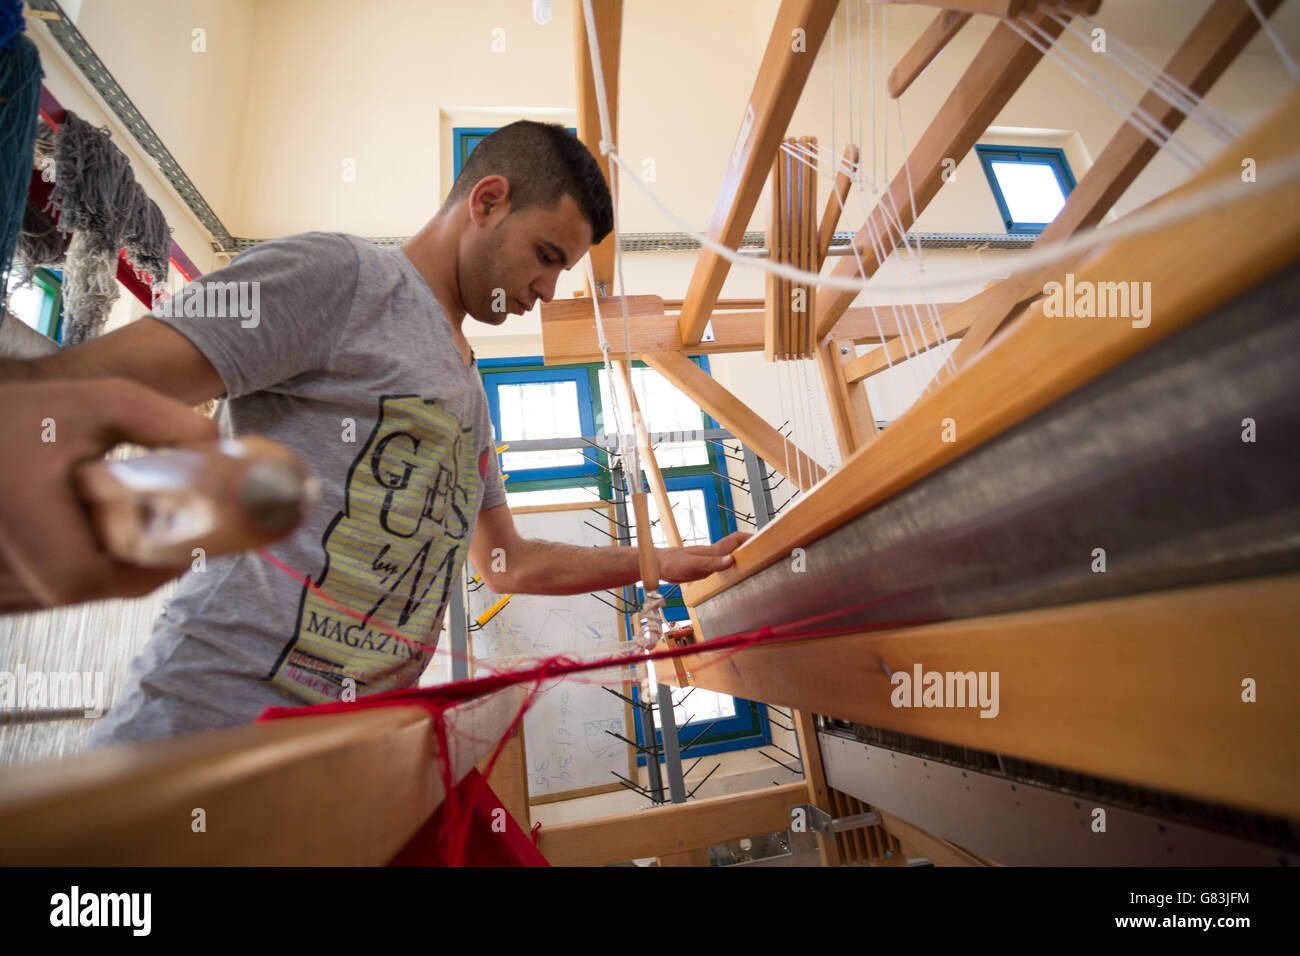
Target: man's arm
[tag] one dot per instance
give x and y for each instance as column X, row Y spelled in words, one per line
column 511, row 564
column 146, row 351
column 48, row 552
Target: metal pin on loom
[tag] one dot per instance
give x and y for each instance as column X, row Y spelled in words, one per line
column 797, row 773
column 704, row 781
column 639, row 704
column 601, row 530
column 656, row 750
column 735, row 483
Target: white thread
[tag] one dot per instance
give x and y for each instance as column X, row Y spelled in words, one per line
column 1133, row 113
column 1168, row 88
column 1275, row 40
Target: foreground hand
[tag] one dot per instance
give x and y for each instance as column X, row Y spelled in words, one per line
column 49, row 554
column 678, row 565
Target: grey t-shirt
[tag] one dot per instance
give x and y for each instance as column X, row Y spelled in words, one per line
column 338, row 349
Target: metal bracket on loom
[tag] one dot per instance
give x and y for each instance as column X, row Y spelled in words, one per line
column 823, row 823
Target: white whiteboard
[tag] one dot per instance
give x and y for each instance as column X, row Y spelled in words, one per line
column 564, row 729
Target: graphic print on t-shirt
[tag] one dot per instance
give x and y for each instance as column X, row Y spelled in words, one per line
column 390, row 556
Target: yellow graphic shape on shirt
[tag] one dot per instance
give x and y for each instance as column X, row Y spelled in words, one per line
column 390, row 557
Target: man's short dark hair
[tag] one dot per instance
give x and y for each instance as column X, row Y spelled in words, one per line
column 542, row 161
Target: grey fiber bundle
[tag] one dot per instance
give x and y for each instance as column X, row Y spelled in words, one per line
column 101, row 204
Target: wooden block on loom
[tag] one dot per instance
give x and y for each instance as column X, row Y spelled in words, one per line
column 569, row 327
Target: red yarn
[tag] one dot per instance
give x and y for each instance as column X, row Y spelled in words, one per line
column 455, row 834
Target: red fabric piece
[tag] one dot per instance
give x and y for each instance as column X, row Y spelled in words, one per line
column 484, row 846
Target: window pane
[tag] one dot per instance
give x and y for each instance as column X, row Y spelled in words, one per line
column 689, row 511
column 665, row 409
column 555, row 496
column 26, row 303
column 703, row 706
column 1031, row 190
column 534, row 410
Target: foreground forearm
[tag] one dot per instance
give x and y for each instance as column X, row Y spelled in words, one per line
column 549, row 567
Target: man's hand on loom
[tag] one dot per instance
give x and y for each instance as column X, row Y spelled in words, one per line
column 49, row 554
column 678, row 565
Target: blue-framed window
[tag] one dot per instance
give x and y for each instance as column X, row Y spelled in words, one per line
column 465, row 138
column 40, row 304
column 1029, row 183
column 557, row 399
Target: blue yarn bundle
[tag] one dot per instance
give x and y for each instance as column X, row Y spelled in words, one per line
column 20, row 96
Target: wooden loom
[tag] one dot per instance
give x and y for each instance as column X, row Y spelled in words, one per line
column 1078, row 655
column 1176, row 732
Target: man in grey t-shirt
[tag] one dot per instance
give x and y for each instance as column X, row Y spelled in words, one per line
column 354, row 357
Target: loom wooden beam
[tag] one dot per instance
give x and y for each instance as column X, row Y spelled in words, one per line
column 1142, row 689
column 608, row 15
column 999, row 68
column 835, row 203
column 781, row 77
column 1000, row 8
column 954, row 323
column 569, row 329
column 819, row 794
column 667, row 520
column 667, row 830
column 655, row 477
column 946, row 25
column 769, row 444
column 298, row 791
column 1194, row 265
column 675, row 305
column 1213, row 44
column 917, row 842
column 851, row 414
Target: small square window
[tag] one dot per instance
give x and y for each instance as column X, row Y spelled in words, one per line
column 1030, row 184
column 665, row 408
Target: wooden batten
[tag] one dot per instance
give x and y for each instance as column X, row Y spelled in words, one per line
column 672, row 829
column 569, row 329
column 1142, row 689
column 769, row 444
column 851, row 415
column 946, row 25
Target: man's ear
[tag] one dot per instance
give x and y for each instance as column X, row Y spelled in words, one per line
column 490, row 195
